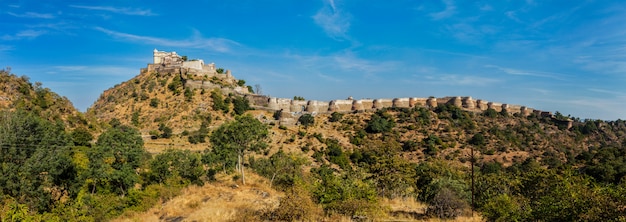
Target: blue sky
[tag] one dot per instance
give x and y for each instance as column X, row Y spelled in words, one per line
column 567, row 56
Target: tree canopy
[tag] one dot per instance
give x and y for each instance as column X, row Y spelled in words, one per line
column 244, row 134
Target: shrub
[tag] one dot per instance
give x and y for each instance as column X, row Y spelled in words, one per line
column 335, row 117
column 306, row 120
column 154, row 102
column 240, row 105
column 446, row 204
column 380, row 122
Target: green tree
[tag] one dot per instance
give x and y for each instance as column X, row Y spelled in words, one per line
column 154, row 102
column 241, row 82
column 335, row 117
column 182, row 165
column 35, row 160
column 114, row 160
column 241, row 105
column 175, row 85
column 166, row 131
column 306, row 120
column 188, row 94
column 218, row 101
column 281, row 168
column 380, row 122
column 81, row 137
column 134, row 119
column 243, row 135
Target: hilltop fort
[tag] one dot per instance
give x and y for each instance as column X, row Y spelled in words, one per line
column 200, row 75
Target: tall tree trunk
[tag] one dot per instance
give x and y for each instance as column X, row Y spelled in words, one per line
column 243, row 175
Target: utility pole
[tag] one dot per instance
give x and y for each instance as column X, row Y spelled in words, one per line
column 472, row 162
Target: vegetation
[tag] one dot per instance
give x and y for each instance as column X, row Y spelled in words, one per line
column 245, row 134
column 61, row 167
column 306, row 120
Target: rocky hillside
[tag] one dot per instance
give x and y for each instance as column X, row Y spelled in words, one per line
column 165, row 104
column 19, row 93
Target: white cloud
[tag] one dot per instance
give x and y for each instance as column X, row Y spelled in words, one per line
column 610, row 92
column 513, row 16
column 118, row 10
column 334, row 22
column 448, row 11
column 455, row 79
column 4, row 48
column 32, row 15
column 486, row 7
column 519, row 72
column 69, row 68
column 329, row 78
column 26, row 34
column 196, row 41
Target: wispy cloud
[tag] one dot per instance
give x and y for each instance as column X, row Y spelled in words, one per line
column 118, row 10
column 610, row 92
column 32, row 15
column 329, row 78
column 196, row 41
column 448, row 11
column 334, row 22
column 513, row 16
column 541, row 91
column 4, row 48
column 519, row 72
column 348, row 62
column 26, row 34
column 69, row 68
column 486, row 7
column 455, row 79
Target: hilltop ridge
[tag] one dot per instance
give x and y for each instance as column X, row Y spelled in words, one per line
column 179, row 94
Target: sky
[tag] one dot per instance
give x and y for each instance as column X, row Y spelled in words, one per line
column 566, row 56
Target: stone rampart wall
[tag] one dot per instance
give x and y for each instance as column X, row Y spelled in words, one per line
column 350, row 105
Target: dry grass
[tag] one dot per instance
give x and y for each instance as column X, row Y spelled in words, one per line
column 409, row 209
column 224, row 200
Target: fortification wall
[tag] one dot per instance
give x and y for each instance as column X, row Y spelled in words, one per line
column 340, row 105
column 512, row 109
column 258, row 100
column 201, row 84
column 195, row 64
column 401, row 102
column 314, row 106
column 298, row 106
column 172, row 63
column 383, row 103
column 482, row 105
column 363, row 105
column 468, row 103
column 417, row 101
column 495, row 106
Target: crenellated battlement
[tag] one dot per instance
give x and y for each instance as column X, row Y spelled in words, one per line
column 171, row 62
column 356, row 105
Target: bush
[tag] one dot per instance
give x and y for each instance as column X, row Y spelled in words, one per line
column 297, row 205
column 154, row 102
column 335, row 117
column 241, row 82
column 241, row 105
column 380, row 122
column 446, row 204
column 306, row 120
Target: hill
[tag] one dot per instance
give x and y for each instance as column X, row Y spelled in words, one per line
column 171, row 98
column 19, row 93
column 206, row 134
